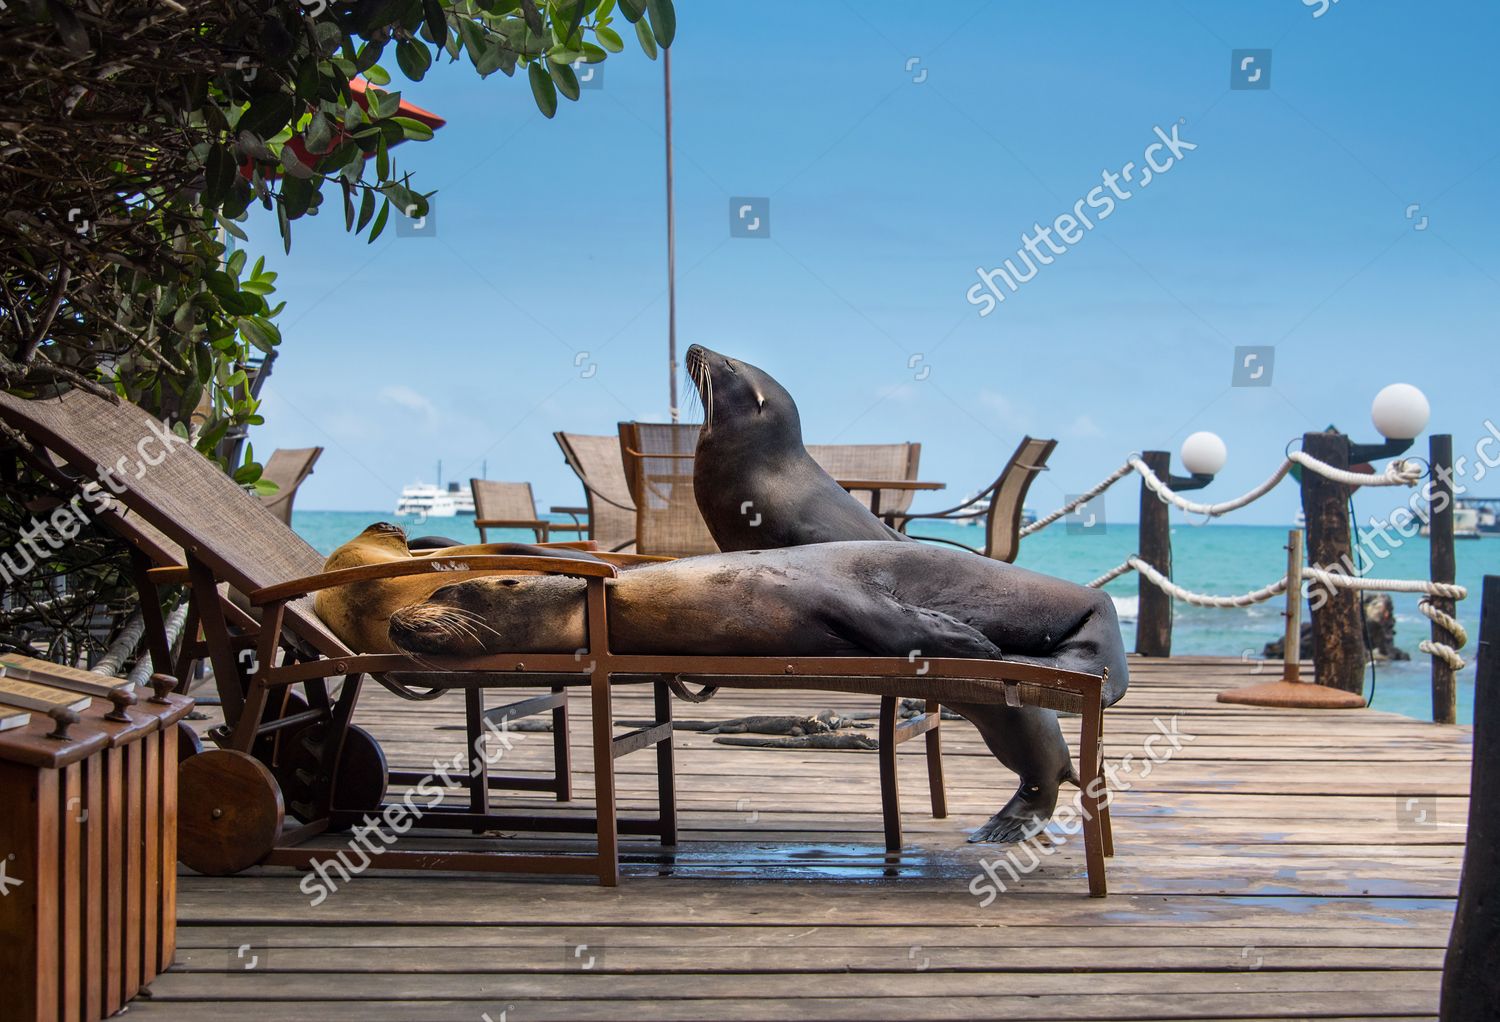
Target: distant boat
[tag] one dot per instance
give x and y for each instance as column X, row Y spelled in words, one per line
column 981, row 509
column 1465, row 522
column 424, row 500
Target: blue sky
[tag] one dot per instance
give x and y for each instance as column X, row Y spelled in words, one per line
column 889, row 183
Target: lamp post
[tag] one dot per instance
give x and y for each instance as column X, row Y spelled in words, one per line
column 1399, row 412
column 1203, row 455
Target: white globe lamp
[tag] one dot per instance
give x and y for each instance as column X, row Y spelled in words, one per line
column 1400, row 412
column 1204, row 453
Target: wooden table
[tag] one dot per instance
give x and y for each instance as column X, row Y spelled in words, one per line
column 874, row 486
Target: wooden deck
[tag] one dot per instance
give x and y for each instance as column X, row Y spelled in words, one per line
column 1273, row 868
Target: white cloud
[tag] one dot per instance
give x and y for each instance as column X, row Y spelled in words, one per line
column 1084, row 426
column 409, row 399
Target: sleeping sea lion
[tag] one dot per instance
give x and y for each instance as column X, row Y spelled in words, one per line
column 827, row 599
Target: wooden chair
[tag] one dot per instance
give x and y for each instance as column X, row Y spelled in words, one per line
column 511, row 506
column 288, row 468
column 1006, row 497
column 658, row 460
column 235, row 802
column 872, row 461
column 609, row 509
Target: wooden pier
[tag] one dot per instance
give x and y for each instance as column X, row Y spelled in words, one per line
column 1284, row 864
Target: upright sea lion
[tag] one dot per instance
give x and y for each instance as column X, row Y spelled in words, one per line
column 751, row 458
column 827, row 599
column 757, row 487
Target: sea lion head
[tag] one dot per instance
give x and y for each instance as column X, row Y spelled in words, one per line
column 746, row 400
column 494, row 614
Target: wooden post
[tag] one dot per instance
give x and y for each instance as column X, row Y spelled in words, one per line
column 1471, row 985
column 1338, row 627
column 1153, row 629
column 1441, row 562
column 1291, row 649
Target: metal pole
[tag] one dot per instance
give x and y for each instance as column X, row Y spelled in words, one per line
column 1441, row 563
column 666, row 73
column 1291, row 669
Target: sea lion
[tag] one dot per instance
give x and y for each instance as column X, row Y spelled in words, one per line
column 358, row 612
column 827, row 599
column 756, row 485
column 750, row 458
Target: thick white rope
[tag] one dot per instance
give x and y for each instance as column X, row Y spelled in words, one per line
column 1169, row 495
column 1397, row 473
column 1335, row 580
column 1444, row 652
column 1077, row 502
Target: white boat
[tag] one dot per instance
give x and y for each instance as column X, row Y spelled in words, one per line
column 424, row 500
column 1465, row 522
column 979, row 510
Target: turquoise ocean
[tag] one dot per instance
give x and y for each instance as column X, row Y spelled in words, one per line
column 1214, row 558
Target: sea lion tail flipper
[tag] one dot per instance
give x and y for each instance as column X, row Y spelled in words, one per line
column 893, row 628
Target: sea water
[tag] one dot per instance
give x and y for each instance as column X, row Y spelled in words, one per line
column 1215, row 558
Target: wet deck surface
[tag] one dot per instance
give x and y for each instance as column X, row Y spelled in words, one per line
column 1281, row 864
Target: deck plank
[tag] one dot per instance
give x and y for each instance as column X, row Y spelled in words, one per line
column 1272, row 869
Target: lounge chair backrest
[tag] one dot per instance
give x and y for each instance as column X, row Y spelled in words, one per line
column 596, row 461
column 1003, row 535
column 658, row 459
column 872, row 461
column 288, row 468
column 496, row 501
column 185, row 496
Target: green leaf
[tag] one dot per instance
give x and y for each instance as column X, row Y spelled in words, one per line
column 380, row 219
column 565, row 79
column 259, row 331
column 267, row 114
column 366, row 209
column 414, row 57
column 319, row 134
column 413, row 128
column 593, row 54
column 543, row 90
column 377, row 75
column 246, row 475
column 266, row 488
column 437, row 21
column 296, row 195
column 648, row 41
column 609, row 39
column 603, row 10
column 663, row 20
column 382, row 159
column 633, row 10
column 219, row 174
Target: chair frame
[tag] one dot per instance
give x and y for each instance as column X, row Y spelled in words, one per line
column 1013, row 510
column 590, row 494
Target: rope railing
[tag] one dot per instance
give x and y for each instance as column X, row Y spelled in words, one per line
column 1397, row 473
column 1333, row 580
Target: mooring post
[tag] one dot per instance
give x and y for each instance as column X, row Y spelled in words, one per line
column 1338, row 627
column 1441, row 562
column 1153, row 629
column 1471, row 984
column 1291, row 646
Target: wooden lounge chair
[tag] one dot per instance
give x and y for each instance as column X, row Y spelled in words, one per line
column 1006, row 495
column 288, row 468
column 232, row 805
column 658, row 460
column 872, row 461
column 609, row 508
column 511, row 506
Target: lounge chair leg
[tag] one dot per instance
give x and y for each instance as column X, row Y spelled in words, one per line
column 1093, row 809
column 156, row 625
column 562, row 755
column 890, row 792
column 935, row 761
column 605, row 809
column 666, row 779
column 479, row 771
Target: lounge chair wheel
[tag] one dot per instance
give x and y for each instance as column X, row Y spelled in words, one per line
column 362, row 772
column 229, row 812
column 188, row 741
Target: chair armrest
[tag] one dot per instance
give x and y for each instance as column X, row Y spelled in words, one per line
column 497, row 563
column 172, row 574
column 510, row 523
column 624, row 560
column 568, row 510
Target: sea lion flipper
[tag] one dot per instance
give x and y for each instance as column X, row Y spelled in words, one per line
column 893, row 628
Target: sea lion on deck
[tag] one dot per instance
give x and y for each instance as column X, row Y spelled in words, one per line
column 827, row 599
column 750, row 457
column 358, row 612
column 756, row 485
